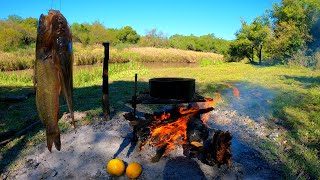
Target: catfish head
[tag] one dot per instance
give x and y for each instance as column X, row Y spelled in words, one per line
column 51, row 27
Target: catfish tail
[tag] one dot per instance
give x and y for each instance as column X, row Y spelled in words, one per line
column 53, row 137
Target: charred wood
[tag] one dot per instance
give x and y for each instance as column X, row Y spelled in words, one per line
column 197, row 131
column 217, row 150
column 160, row 151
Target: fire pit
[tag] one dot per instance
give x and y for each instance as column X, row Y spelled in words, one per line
column 182, row 125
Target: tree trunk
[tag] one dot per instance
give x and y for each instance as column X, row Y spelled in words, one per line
column 260, row 54
column 252, row 59
column 251, row 56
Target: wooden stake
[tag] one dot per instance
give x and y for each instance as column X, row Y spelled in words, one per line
column 105, row 82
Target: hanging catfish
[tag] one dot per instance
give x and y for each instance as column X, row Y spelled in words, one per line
column 53, row 72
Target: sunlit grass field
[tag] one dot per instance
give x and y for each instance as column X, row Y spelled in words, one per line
column 296, row 103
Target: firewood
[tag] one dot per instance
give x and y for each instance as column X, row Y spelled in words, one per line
column 160, row 152
column 197, row 131
column 217, row 150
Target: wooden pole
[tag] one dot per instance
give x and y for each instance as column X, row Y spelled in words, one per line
column 134, row 98
column 105, row 82
column 134, row 105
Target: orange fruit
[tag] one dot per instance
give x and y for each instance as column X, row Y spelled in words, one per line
column 115, row 167
column 133, row 170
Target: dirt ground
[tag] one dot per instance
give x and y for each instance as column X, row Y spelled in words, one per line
column 85, row 154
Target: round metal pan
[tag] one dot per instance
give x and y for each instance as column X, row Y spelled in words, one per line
column 172, row 88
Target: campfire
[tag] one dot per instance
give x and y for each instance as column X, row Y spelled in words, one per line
column 184, row 124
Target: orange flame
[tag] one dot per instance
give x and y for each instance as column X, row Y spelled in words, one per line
column 236, row 92
column 164, row 116
column 174, row 133
column 209, row 103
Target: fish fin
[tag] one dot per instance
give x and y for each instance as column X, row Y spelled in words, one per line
column 49, row 143
column 53, row 139
column 65, row 65
column 57, row 142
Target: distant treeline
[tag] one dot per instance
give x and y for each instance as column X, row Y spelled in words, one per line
column 16, row 32
column 288, row 33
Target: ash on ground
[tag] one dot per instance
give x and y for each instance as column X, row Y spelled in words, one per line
column 84, row 155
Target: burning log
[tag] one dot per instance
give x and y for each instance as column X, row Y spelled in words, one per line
column 217, row 150
column 160, row 152
column 197, row 132
column 141, row 129
column 181, row 126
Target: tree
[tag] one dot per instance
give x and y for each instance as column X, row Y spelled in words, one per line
column 288, row 40
column 111, row 36
column 15, row 18
column 259, row 33
column 29, row 29
column 80, row 32
column 154, row 38
column 128, row 35
column 251, row 37
column 10, row 39
column 16, row 32
column 296, row 26
column 97, row 33
column 240, row 49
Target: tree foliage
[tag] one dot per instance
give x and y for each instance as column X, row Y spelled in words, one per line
column 127, row 35
column 293, row 29
column 154, row 38
column 296, row 29
column 16, row 32
column 80, row 33
column 207, row 43
column 97, row 33
column 251, row 40
column 240, row 49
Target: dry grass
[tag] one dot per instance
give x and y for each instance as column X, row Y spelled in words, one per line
column 24, row 58
column 21, row 59
column 94, row 54
column 150, row 54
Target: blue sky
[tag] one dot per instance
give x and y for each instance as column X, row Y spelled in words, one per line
column 197, row 17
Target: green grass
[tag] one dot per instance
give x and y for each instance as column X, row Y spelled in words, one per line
column 296, row 103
